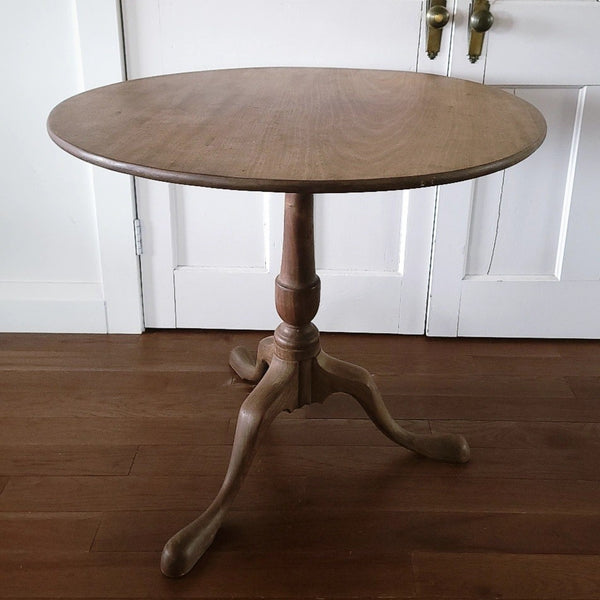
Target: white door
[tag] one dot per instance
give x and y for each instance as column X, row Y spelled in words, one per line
column 517, row 253
column 211, row 256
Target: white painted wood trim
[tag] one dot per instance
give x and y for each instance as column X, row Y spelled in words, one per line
column 450, row 246
column 543, row 43
column 570, row 180
column 581, row 235
column 567, row 315
column 156, row 208
column 418, row 223
column 50, row 307
column 100, row 35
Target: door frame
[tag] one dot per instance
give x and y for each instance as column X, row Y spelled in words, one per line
column 100, row 28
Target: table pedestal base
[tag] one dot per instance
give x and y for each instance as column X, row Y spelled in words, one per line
column 291, row 371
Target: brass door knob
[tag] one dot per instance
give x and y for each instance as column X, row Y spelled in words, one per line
column 437, row 18
column 480, row 21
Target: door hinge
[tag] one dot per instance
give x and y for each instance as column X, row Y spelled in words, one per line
column 137, row 233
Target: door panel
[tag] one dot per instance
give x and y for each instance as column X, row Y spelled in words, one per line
column 516, row 253
column 207, row 244
column 211, row 256
column 532, row 42
column 541, row 42
column 516, row 215
column 167, row 36
column 341, row 223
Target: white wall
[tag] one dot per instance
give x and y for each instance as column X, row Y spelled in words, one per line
column 55, row 265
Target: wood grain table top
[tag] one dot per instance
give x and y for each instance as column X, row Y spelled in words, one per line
column 299, row 129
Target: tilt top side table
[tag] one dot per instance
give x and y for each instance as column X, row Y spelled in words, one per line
column 300, row 131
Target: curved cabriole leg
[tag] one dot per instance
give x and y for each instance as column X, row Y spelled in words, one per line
column 277, row 391
column 251, row 366
column 335, row 375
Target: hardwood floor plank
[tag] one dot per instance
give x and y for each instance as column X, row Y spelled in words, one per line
column 579, row 349
column 409, row 362
column 504, row 347
column 119, row 394
column 473, row 385
column 336, row 530
column 218, row 575
column 125, row 360
column 153, row 351
column 55, row 532
column 99, row 494
column 66, row 460
column 482, row 576
column 112, row 430
column 390, row 488
column 585, row 387
column 341, row 343
column 583, row 437
column 504, row 463
column 536, row 366
column 333, row 432
column 184, row 460
column 381, row 489
column 508, row 463
column 3, row 482
column 300, row 460
column 486, row 407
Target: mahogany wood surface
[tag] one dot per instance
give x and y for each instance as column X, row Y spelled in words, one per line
column 299, row 129
column 330, row 508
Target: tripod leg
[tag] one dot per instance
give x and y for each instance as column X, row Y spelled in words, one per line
column 277, row 391
column 336, row 375
column 251, row 366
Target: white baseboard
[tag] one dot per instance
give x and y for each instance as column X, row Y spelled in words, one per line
column 43, row 307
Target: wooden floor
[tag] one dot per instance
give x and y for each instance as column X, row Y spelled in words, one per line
column 109, row 444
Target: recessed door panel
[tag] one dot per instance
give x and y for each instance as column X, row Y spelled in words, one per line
column 205, row 233
column 517, row 215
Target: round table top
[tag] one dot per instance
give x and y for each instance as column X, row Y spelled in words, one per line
column 299, row 129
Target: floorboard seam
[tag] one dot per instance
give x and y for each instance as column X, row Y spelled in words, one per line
column 137, row 449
